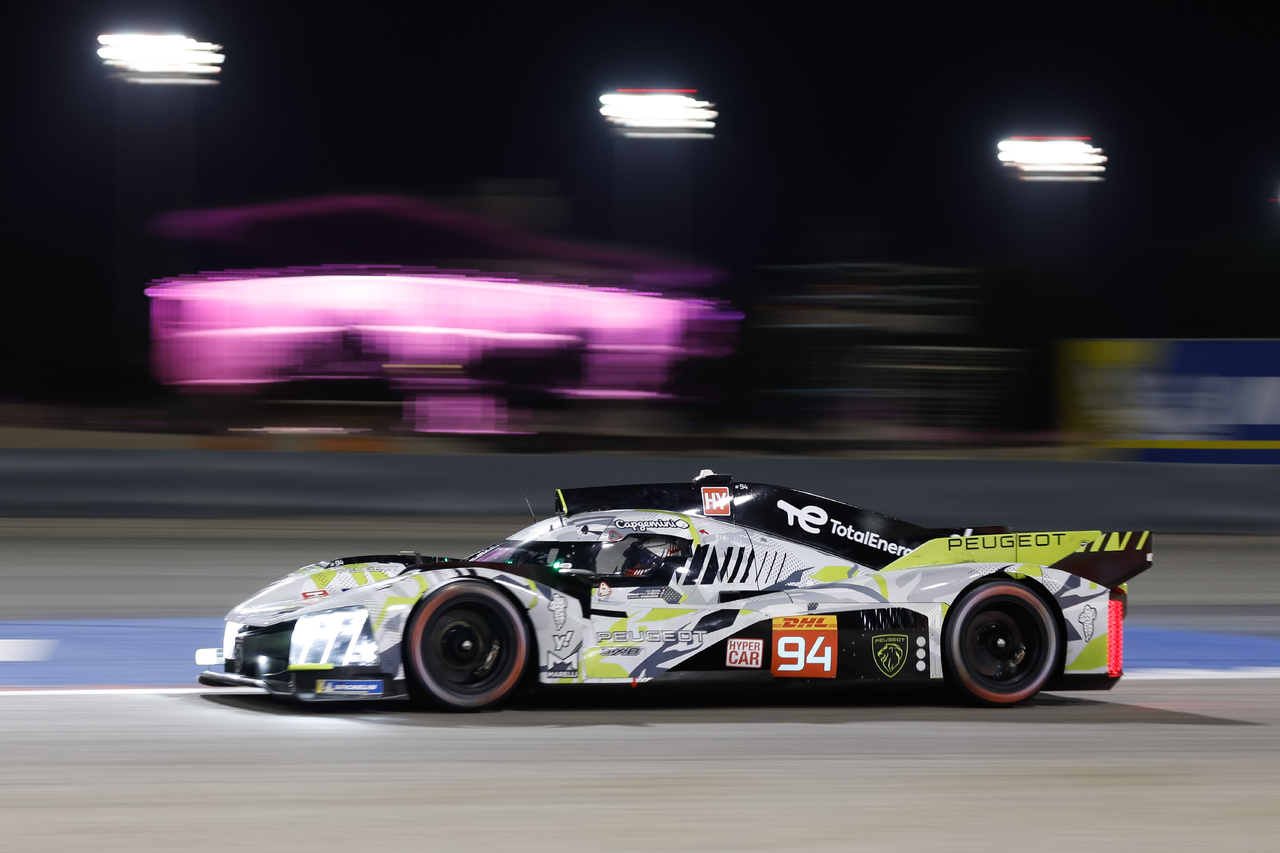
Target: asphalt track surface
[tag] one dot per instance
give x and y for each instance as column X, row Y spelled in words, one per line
column 1166, row 766
column 1152, row 765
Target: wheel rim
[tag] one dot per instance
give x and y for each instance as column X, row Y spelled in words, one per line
column 467, row 647
column 1003, row 644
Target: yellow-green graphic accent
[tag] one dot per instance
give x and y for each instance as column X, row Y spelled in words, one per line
column 1042, row 549
column 1092, row 656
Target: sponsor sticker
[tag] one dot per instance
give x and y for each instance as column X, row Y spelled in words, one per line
column 648, row 525
column 1087, row 618
column 745, row 654
column 811, row 519
column 825, row 622
column 562, row 667
column 804, row 647
column 309, row 594
column 1006, row 540
column 889, row 652
column 557, row 605
column 364, row 687
column 652, row 636
column 716, row 500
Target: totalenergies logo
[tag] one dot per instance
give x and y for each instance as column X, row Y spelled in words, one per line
column 812, row 518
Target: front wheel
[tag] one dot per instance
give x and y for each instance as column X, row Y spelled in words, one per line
column 466, row 647
column 1000, row 644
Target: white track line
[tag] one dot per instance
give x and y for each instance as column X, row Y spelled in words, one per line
column 27, row 650
column 1190, row 674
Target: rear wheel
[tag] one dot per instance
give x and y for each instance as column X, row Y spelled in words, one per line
column 1000, row 644
column 466, row 647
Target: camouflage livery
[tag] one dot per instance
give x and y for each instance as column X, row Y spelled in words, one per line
column 771, row 599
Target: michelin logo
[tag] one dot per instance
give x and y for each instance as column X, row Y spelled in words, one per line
column 557, row 605
column 812, row 518
column 372, row 687
column 1087, row 618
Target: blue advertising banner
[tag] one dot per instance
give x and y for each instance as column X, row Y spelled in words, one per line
column 1175, row 401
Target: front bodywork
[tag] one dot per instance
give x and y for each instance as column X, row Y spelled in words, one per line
column 770, row 584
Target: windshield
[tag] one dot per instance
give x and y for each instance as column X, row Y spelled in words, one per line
column 637, row 555
column 557, row 555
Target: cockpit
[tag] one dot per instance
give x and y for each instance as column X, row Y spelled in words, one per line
column 632, row 555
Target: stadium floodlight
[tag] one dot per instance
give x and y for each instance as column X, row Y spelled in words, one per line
column 1053, row 158
column 659, row 114
column 166, row 60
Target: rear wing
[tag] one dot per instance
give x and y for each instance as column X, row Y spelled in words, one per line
column 1106, row 558
column 1112, row 558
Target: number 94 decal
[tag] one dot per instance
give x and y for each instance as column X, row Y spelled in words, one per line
column 804, row 647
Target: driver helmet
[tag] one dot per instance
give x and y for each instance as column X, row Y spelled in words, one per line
column 646, row 553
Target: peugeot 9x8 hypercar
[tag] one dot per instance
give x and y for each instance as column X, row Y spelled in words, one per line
column 714, row 579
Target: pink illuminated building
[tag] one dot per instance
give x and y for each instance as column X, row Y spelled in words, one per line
column 447, row 341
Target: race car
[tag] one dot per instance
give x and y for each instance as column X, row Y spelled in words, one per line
column 711, row 579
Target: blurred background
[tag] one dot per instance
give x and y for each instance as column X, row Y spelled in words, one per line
column 283, row 282
column 409, row 228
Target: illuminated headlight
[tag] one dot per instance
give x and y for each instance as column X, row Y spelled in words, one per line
column 333, row 638
column 229, row 635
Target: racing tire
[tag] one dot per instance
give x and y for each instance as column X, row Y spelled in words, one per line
column 1001, row 644
column 466, row 647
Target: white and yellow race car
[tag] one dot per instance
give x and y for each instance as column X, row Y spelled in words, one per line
column 713, row 579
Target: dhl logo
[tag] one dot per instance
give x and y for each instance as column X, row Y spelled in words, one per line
column 804, row 623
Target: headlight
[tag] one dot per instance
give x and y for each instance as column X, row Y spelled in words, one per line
column 333, row 638
column 229, row 635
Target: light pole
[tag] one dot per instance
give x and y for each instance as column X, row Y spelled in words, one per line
column 1050, row 203
column 653, row 162
column 154, row 141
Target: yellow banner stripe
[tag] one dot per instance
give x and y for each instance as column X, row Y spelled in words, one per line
column 1162, row 444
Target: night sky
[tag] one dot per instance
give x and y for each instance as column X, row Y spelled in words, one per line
column 891, row 116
